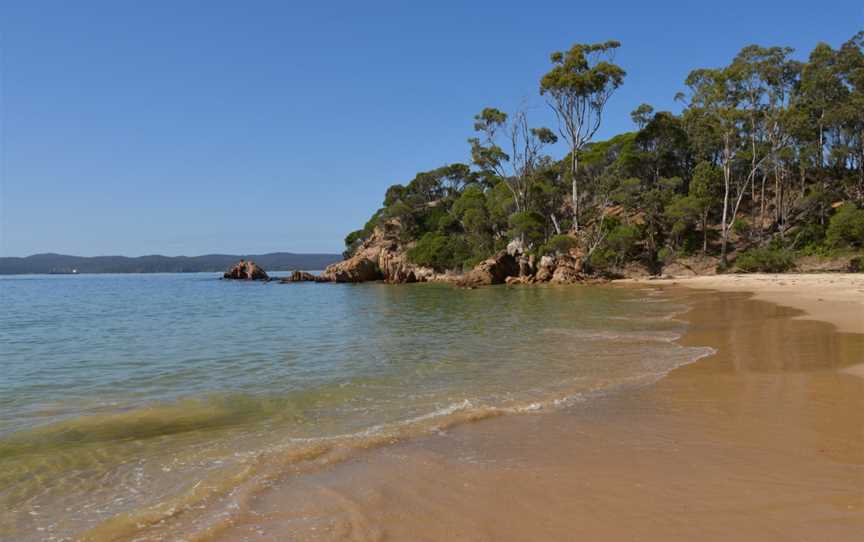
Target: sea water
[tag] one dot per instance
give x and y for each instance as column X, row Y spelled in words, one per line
column 128, row 400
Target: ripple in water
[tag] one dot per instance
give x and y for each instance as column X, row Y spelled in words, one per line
column 127, row 400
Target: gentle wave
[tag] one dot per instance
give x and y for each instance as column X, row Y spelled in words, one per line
column 297, row 455
column 114, row 421
column 600, row 335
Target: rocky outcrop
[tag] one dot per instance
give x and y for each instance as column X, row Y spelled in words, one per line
column 566, row 273
column 246, row 270
column 381, row 257
column 301, row 276
column 546, row 269
column 358, row 268
column 494, row 270
column 384, row 256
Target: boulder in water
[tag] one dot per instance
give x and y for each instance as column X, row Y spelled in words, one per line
column 246, row 270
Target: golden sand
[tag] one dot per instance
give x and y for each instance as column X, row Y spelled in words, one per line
column 763, row 441
column 837, row 298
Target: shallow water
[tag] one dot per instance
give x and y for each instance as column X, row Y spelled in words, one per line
column 129, row 399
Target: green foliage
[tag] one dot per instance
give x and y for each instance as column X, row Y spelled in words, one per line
column 617, row 248
column 666, row 254
column 440, row 252
column 352, row 241
column 766, row 260
column 395, row 193
column 846, row 228
column 558, row 244
column 767, row 139
column 529, row 226
column 741, row 227
column 575, row 75
column 642, row 115
column 809, row 238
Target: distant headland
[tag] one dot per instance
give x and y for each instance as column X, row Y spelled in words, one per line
column 64, row 264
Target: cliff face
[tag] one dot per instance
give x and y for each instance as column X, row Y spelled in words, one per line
column 381, row 257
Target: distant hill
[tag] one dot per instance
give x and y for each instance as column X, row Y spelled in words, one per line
column 60, row 263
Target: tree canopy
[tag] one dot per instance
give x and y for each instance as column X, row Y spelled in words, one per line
column 765, row 158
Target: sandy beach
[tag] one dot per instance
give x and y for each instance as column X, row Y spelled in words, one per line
column 836, row 298
column 762, row 441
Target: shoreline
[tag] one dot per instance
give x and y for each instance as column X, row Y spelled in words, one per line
column 763, row 439
column 836, row 298
column 669, row 459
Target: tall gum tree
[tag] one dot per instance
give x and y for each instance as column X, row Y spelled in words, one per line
column 517, row 168
column 714, row 118
column 577, row 89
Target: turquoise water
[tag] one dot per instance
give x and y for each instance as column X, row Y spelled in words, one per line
column 120, row 393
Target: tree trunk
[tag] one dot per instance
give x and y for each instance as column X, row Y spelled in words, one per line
column 555, row 224
column 727, row 181
column 762, row 210
column 574, row 166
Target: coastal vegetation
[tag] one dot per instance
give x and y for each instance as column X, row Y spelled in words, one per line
column 763, row 163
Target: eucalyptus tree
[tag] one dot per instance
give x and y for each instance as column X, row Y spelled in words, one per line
column 578, row 88
column 642, row 115
column 850, row 70
column 765, row 79
column 518, row 167
column 746, row 81
column 782, row 75
column 665, row 148
column 714, row 117
column 821, row 91
column 703, row 194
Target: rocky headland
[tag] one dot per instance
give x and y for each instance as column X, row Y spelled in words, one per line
column 384, row 257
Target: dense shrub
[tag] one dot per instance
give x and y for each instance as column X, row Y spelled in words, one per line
column 741, row 227
column 558, row 244
column 846, row 228
column 440, row 252
column 618, row 247
column 527, row 225
column 809, row 237
column 766, row 260
column 352, row 241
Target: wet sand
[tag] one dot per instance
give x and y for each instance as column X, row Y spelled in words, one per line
column 762, row 441
column 837, row 298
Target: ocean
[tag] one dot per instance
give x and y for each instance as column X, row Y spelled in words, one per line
column 129, row 400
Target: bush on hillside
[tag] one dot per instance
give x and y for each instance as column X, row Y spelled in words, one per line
column 558, row 244
column 440, row 252
column 765, row 260
column 527, row 225
column 617, row 248
column 846, row 228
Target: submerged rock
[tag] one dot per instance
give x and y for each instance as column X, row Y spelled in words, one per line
column 246, row 270
column 301, row 276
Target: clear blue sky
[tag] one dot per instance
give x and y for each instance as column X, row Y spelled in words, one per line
column 190, row 127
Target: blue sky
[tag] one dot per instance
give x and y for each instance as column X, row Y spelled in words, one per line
column 191, row 127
